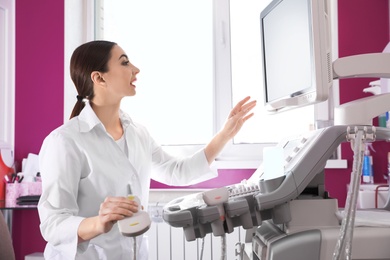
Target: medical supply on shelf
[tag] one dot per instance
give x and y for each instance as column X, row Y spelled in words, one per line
column 367, row 169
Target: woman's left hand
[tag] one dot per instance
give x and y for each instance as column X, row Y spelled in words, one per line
column 237, row 117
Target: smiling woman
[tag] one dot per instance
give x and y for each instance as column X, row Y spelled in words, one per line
column 93, row 161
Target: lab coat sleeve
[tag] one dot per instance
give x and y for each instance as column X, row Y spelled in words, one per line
column 182, row 171
column 60, row 169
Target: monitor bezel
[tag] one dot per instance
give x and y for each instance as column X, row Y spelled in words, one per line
column 322, row 73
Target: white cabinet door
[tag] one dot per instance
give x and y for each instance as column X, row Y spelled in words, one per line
column 7, row 71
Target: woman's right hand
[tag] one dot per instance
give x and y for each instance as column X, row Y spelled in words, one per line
column 111, row 210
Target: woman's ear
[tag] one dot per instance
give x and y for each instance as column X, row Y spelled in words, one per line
column 97, row 78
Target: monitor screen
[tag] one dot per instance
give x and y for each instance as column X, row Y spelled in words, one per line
column 296, row 48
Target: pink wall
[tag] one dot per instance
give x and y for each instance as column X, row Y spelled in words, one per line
column 39, row 96
column 363, row 27
column 39, row 72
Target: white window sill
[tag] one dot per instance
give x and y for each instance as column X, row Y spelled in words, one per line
column 159, row 197
column 331, row 164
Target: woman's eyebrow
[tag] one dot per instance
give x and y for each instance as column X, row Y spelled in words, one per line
column 123, row 56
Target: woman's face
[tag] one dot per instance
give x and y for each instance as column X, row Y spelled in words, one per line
column 121, row 74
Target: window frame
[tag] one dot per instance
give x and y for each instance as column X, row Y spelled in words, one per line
column 234, row 156
column 7, row 81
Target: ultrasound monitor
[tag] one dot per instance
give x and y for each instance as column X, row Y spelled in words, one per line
column 296, row 53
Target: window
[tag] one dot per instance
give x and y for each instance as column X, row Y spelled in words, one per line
column 197, row 59
column 173, row 49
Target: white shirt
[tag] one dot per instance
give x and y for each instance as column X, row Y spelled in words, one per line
column 81, row 164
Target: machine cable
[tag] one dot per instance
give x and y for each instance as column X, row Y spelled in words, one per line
column 135, row 248
column 201, row 249
column 358, row 139
column 223, row 247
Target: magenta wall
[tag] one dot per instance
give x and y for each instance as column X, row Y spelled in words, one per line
column 39, row 72
column 363, row 27
column 39, row 96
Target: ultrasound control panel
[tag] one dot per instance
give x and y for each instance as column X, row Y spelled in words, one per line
column 265, row 195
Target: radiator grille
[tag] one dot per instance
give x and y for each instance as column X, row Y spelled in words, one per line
column 169, row 243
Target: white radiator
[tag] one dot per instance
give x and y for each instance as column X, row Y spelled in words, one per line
column 169, row 243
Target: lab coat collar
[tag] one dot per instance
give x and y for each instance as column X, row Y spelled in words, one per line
column 88, row 119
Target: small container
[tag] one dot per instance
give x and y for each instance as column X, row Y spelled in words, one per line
column 367, row 173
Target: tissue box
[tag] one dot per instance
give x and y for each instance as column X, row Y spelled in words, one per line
column 16, row 190
column 35, row 188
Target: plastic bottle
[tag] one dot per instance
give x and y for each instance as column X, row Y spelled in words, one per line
column 367, row 169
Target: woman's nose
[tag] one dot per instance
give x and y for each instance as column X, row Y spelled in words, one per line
column 136, row 70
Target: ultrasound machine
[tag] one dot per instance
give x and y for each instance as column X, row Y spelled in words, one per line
column 288, row 214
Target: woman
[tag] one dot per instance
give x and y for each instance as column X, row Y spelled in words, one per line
column 100, row 155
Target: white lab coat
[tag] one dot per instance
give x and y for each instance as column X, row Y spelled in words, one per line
column 81, row 164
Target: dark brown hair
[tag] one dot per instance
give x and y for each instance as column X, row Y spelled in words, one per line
column 88, row 57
